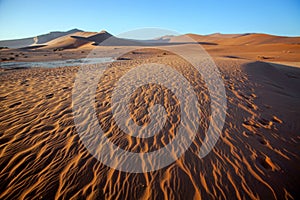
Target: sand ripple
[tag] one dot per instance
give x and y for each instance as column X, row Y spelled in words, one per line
column 42, row 157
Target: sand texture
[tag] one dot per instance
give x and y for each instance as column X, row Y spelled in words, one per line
column 256, row 157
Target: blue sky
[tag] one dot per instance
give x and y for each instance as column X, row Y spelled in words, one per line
column 20, row 19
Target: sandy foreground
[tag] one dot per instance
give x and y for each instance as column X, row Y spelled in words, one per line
column 256, row 156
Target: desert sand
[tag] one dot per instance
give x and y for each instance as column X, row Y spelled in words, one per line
column 256, row 157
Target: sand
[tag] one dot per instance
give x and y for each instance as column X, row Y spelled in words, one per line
column 256, row 157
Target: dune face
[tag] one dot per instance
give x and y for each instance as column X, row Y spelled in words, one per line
column 73, row 40
column 256, row 156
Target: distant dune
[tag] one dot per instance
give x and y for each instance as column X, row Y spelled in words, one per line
column 73, row 40
column 41, row 39
column 240, row 39
column 77, row 43
column 76, row 38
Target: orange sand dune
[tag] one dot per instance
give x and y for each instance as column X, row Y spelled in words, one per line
column 245, row 39
column 69, row 41
column 256, row 157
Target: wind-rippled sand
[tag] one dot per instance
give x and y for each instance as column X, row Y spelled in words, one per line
column 256, row 157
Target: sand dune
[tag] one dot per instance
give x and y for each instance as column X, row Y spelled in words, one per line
column 73, row 40
column 245, row 39
column 78, row 45
column 257, row 156
column 40, row 39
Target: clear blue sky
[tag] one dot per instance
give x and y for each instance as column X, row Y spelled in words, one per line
column 21, row 18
